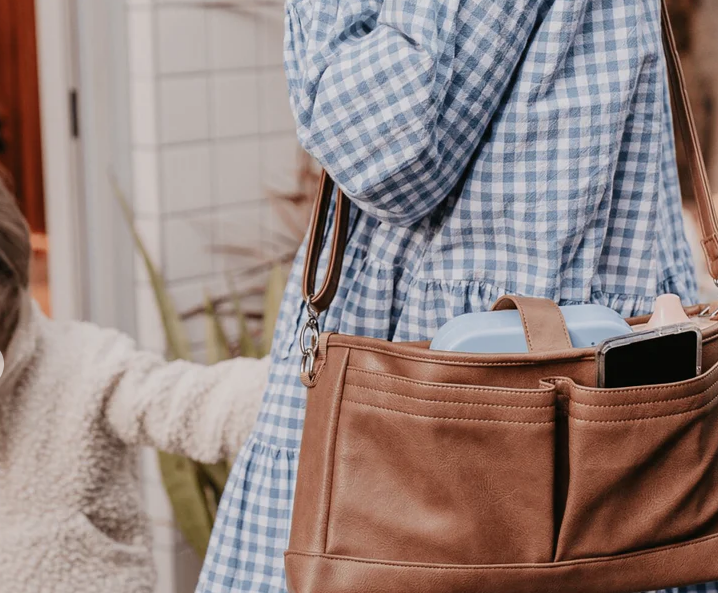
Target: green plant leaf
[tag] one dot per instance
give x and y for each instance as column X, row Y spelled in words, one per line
column 175, row 333
column 218, row 474
column 247, row 345
column 181, row 479
column 217, row 342
column 276, row 284
column 214, row 477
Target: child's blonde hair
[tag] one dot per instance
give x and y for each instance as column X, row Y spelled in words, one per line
column 15, row 253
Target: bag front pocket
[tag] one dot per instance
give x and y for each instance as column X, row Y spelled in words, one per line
column 453, row 474
column 643, row 467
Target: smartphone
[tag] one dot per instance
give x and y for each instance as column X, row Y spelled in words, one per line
column 664, row 355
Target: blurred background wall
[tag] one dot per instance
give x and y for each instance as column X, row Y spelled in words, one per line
column 212, row 139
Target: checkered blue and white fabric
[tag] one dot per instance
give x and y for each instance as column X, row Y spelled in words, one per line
column 489, row 146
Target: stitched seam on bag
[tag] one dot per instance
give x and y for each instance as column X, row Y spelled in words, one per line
column 584, row 358
column 480, row 388
column 706, row 378
column 565, row 329
column 699, row 408
column 582, row 562
column 439, row 401
column 333, row 454
column 635, row 404
column 353, row 401
column 523, row 322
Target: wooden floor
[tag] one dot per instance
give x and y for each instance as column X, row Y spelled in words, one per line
column 39, row 284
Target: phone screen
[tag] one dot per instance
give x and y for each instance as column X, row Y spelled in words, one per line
column 661, row 359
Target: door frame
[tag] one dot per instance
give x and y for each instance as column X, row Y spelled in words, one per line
column 104, row 114
column 60, row 155
column 82, row 48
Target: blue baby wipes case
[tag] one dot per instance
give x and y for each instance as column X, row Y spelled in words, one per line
column 502, row 331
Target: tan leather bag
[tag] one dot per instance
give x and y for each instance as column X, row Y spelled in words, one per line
column 436, row 472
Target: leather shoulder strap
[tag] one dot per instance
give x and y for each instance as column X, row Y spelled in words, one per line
column 687, row 128
column 322, row 298
column 685, row 123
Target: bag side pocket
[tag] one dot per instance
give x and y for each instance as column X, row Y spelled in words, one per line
column 642, row 467
column 446, row 474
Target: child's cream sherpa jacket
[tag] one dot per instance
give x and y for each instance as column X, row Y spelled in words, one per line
column 75, row 403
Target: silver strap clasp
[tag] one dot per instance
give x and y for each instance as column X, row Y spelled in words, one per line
column 309, row 339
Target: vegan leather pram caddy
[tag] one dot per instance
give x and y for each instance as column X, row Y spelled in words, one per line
column 435, row 472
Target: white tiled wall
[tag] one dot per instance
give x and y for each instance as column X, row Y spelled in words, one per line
column 212, row 136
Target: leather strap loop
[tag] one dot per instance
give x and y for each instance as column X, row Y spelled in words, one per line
column 685, row 121
column 322, row 298
column 543, row 322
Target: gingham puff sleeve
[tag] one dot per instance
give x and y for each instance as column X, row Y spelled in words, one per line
column 393, row 98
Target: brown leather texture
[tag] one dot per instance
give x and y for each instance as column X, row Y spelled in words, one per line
column 423, row 471
column 321, row 298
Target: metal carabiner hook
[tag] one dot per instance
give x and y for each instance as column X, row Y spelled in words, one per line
column 310, row 349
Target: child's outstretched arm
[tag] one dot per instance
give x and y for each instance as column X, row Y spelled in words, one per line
column 202, row 412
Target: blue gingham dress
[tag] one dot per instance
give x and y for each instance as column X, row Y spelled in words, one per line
column 488, row 146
